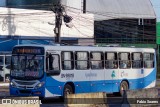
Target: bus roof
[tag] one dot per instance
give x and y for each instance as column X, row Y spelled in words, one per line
column 90, row 48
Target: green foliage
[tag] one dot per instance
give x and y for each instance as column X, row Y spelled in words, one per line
column 158, row 32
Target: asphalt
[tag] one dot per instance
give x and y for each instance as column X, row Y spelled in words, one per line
column 4, row 91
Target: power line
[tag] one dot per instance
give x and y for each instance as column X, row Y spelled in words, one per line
column 106, row 15
column 103, row 15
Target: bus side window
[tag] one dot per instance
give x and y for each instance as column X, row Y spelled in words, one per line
column 97, row 60
column 137, row 60
column 82, row 60
column 51, row 58
column 1, row 62
column 111, row 60
column 47, row 62
column 67, row 60
column 53, row 64
column 124, row 60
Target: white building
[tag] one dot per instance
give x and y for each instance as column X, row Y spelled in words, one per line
column 20, row 25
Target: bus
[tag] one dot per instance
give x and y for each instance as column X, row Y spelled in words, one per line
column 5, row 59
column 56, row 70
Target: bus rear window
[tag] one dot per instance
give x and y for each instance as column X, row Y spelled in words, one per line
column 148, row 59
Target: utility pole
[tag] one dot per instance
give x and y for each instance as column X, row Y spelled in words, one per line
column 59, row 15
column 58, row 10
column 84, row 6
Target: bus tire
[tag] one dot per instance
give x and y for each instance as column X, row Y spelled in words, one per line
column 123, row 87
column 67, row 90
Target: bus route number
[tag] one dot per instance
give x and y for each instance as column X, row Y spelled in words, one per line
column 67, row 75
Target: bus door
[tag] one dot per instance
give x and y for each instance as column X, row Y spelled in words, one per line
column 53, row 73
column 111, row 72
column 97, row 72
column 149, row 70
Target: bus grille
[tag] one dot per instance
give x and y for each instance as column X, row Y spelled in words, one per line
column 25, row 83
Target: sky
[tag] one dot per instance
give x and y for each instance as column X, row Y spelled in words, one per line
column 156, row 5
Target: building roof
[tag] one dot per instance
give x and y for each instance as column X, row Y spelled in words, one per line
column 112, row 9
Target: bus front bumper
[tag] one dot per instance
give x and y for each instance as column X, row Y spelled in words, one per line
column 26, row 92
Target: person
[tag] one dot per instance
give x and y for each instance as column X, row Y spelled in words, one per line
column 35, row 66
column 115, row 65
column 124, row 65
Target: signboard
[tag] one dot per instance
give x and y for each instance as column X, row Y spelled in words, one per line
column 28, row 50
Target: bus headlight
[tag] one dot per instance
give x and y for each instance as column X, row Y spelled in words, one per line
column 12, row 84
column 39, row 85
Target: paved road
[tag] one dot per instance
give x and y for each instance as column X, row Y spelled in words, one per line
column 4, row 91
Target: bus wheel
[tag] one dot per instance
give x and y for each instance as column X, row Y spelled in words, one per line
column 67, row 90
column 123, row 87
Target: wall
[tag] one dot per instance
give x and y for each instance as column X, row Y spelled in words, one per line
column 40, row 23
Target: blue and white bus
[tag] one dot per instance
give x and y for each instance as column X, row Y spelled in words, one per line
column 55, row 70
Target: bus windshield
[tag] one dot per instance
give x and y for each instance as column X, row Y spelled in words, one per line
column 27, row 66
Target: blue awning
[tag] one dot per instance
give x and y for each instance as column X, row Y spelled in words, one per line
column 7, row 45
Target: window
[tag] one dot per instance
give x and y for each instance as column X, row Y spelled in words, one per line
column 124, row 60
column 137, row 60
column 7, row 62
column 97, row 60
column 33, row 63
column 67, row 60
column 26, row 66
column 18, row 63
column 148, row 59
column 82, row 60
column 111, row 60
column 1, row 62
column 52, row 64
